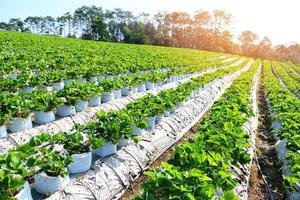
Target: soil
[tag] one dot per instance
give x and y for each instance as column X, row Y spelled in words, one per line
column 134, row 189
column 266, row 163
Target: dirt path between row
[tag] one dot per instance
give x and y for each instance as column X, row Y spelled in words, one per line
column 266, row 163
column 134, row 188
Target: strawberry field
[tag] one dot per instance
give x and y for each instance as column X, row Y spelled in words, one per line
column 84, row 120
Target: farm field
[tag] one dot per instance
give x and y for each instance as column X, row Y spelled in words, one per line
column 85, row 120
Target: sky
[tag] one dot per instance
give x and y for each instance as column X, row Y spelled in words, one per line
column 278, row 19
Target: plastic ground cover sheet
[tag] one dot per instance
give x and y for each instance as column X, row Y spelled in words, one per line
column 242, row 174
column 280, row 145
column 110, row 177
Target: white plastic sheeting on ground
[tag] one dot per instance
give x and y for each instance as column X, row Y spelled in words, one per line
column 281, row 151
column 242, row 173
column 67, row 123
column 110, row 177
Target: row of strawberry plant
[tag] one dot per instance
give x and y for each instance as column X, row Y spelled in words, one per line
column 45, row 53
column 200, row 168
column 286, row 110
column 16, row 109
column 76, row 97
column 291, row 84
column 296, row 68
column 31, row 159
column 287, row 67
column 57, row 78
column 28, row 81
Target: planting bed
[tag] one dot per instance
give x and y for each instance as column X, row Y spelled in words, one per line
column 84, row 120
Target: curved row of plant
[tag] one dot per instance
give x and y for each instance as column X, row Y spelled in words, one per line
column 289, row 70
column 32, row 159
column 286, row 109
column 292, row 84
column 45, row 53
column 296, row 68
column 201, row 168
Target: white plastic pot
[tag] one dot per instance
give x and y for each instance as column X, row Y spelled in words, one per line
column 159, row 118
column 81, row 106
column 45, row 184
column 81, row 80
column 100, row 78
column 123, row 143
column 167, row 113
column 126, row 91
column 3, row 132
column 107, row 97
column 179, row 105
column 149, row 85
column 94, row 79
column 25, row 193
column 172, row 110
column 138, row 131
column 64, row 110
column 159, row 84
column 13, row 76
column 37, row 73
column 28, row 90
column 68, row 81
column 44, row 87
column 109, row 76
column 41, row 117
column 105, row 150
column 58, row 86
column 151, row 123
column 141, row 88
column 134, row 90
column 81, row 163
column 95, row 101
column 20, row 124
column 117, row 94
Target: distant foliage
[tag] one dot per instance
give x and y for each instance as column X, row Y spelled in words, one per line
column 203, row 30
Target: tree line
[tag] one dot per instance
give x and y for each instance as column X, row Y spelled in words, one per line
column 202, row 30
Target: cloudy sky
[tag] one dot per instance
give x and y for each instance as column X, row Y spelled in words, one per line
column 278, row 19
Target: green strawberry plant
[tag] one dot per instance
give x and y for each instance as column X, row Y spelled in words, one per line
column 46, row 101
column 112, row 126
column 58, row 161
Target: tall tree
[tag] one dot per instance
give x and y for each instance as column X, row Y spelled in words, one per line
column 248, row 40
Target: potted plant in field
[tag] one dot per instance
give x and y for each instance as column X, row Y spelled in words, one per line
column 94, row 94
column 14, row 186
column 20, row 109
column 14, row 173
column 93, row 73
column 5, row 115
column 76, row 73
column 4, row 119
column 79, row 150
column 112, row 126
column 29, row 82
column 168, row 96
column 108, row 86
column 12, row 85
column 44, row 105
column 158, row 108
column 143, row 108
column 54, row 175
column 56, row 78
column 74, row 97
